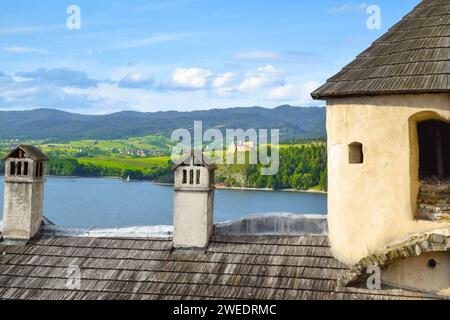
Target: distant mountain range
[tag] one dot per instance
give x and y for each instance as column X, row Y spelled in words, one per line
column 294, row 122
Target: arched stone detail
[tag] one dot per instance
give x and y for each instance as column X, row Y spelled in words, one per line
column 413, row 246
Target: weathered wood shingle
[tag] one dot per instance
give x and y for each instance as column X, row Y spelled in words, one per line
column 32, row 151
column 232, row 268
column 412, row 57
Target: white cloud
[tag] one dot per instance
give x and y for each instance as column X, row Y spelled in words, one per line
column 222, row 85
column 59, row 76
column 15, row 95
column 348, row 7
column 257, row 56
column 22, row 50
column 134, row 89
column 109, row 98
column 31, row 29
column 223, row 80
column 46, row 89
column 278, row 56
column 161, row 38
column 136, row 81
column 293, row 92
column 262, row 78
column 190, row 78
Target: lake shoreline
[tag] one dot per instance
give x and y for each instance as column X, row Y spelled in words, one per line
column 79, row 177
column 253, row 189
column 270, row 190
column 113, row 203
column 217, row 187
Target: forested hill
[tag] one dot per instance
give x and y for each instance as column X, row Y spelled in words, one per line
column 294, row 122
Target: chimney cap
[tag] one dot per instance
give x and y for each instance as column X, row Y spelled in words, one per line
column 31, row 151
column 198, row 157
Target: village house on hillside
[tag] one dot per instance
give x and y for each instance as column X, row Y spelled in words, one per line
column 242, row 146
column 388, row 122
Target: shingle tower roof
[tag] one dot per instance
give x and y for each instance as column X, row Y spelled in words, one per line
column 412, row 57
column 32, row 151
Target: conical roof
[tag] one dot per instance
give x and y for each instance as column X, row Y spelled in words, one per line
column 412, row 57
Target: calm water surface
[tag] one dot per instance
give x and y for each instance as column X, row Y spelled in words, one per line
column 114, row 203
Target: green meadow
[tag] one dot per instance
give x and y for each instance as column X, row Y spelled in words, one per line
column 302, row 163
column 122, row 163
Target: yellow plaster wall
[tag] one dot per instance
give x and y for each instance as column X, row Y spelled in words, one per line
column 373, row 204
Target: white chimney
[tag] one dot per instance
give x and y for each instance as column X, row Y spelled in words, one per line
column 24, row 193
column 194, row 202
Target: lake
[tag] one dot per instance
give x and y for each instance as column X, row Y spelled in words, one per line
column 85, row 202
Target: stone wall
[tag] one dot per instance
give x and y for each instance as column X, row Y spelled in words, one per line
column 434, row 199
column 282, row 224
column 412, row 246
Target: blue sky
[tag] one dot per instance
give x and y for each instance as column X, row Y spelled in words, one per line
column 178, row 54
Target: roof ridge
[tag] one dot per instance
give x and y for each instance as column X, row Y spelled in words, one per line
column 383, row 67
column 406, row 50
column 419, row 27
column 405, row 40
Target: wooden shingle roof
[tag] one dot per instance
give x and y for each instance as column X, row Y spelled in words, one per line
column 196, row 157
column 412, row 57
column 232, row 268
column 31, row 151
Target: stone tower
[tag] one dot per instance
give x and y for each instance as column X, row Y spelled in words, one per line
column 388, row 129
column 24, row 193
column 194, row 202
